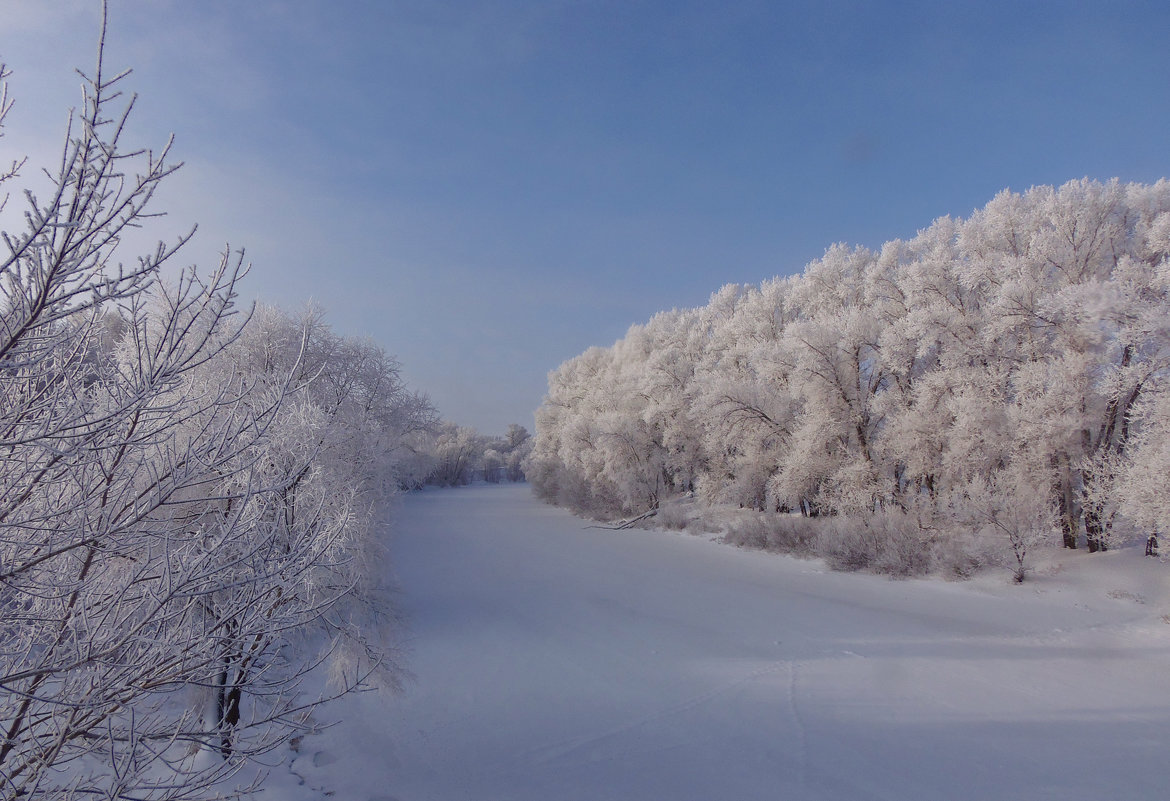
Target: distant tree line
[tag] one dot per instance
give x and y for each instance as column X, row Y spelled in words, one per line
column 458, row 455
column 999, row 378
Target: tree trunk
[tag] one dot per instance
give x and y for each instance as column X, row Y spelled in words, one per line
column 228, row 694
column 221, row 704
column 1068, row 516
column 1096, row 532
column 1065, row 503
column 1098, row 521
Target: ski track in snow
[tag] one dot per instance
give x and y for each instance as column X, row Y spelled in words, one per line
column 801, row 729
column 558, row 752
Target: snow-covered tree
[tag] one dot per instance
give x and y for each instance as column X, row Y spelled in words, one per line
column 457, row 454
column 185, row 494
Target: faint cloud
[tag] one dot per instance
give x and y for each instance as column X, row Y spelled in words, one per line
column 32, row 16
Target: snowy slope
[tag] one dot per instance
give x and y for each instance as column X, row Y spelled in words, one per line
column 555, row 662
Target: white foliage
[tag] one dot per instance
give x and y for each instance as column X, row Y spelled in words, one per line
column 1022, row 350
column 185, row 495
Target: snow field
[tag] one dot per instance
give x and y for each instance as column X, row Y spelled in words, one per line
column 554, row 661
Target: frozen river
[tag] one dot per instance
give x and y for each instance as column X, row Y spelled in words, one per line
column 556, row 662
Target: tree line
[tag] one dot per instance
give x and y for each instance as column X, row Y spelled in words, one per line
column 1000, row 377
column 458, row 455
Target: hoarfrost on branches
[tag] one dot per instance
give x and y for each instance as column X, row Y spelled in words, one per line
column 188, row 493
column 1020, row 354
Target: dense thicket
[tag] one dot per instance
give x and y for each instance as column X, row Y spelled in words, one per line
column 1001, row 376
column 188, row 493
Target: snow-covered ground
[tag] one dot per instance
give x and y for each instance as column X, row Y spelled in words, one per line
column 556, row 662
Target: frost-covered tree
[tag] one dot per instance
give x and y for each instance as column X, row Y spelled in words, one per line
column 96, row 576
column 610, row 455
column 457, row 455
column 838, row 370
column 185, row 495
column 1142, row 478
column 743, row 401
column 517, row 444
column 328, row 460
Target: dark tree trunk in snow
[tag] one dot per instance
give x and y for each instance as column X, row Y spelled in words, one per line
column 1066, row 506
column 1096, row 531
column 1068, row 515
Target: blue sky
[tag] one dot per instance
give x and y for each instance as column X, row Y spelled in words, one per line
column 489, row 188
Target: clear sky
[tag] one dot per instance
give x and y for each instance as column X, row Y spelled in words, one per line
column 488, row 188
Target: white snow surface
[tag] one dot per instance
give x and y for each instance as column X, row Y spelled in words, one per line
column 555, row 662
